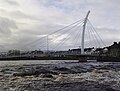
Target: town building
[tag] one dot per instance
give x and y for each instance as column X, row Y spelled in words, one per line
column 114, row 50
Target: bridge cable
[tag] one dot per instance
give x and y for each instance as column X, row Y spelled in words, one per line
column 64, row 33
column 55, row 32
column 96, row 37
column 97, row 33
column 68, row 30
column 78, row 37
column 93, row 37
column 64, row 40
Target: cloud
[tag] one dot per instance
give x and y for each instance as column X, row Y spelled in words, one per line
column 12, row 2
column 23, row 21
column 6, row 26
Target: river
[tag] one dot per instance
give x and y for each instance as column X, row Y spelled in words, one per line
column 59, row 62
column 22, row 62
column 59, row 75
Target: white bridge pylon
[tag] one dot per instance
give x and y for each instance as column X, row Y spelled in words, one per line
column 83, row 33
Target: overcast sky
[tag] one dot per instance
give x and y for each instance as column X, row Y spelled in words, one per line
column 23, row 21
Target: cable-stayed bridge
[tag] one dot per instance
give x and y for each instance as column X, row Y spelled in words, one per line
column 80, row 34
column 77, row 39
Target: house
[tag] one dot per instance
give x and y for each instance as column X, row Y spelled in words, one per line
column 74, row 51
column 114, row 50
column 78, row 51
column 89, row 51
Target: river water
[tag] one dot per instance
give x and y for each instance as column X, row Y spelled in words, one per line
column 74, row 75
column 27, row 62
column 60, row 62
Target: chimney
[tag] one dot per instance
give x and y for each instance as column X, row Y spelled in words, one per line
column 115, row 43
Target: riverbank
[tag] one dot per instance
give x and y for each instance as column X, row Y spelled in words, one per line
column 82, row 58
column 68, row 76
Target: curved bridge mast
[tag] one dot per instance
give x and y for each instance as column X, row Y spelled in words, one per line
column 83, row 33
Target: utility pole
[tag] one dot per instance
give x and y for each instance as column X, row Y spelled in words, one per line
column 47, row 43
column 83, row 33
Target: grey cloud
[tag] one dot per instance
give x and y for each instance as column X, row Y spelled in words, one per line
column 21, row 15
column 6, row 25
column 12, row 2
